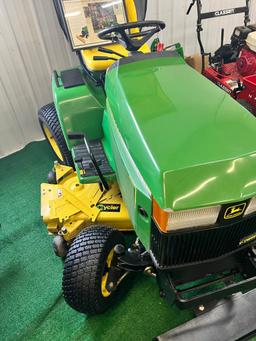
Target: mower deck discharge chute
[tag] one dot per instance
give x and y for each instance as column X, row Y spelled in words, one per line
column 145, row 158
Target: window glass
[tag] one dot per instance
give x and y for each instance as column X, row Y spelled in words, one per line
column 86, row 18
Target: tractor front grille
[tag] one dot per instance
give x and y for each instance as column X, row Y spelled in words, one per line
column 175, row 249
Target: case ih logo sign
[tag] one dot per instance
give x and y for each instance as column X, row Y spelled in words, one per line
column 224, row 12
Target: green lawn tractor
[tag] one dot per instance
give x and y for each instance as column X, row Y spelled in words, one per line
column 146, row 144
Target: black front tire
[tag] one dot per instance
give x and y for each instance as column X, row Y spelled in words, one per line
column 84, row 268
column 48, row 119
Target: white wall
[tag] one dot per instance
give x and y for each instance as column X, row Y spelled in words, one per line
column 182, row 28
column 32, row 45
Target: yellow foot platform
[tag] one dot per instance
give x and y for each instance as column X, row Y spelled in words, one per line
column 68, row 207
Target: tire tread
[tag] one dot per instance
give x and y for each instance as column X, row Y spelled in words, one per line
column 47, row 115
column 83, row 267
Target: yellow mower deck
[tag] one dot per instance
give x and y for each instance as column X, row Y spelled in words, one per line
column 69, row 206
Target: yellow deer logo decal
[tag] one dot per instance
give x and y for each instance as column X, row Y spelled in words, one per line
column 234, row 211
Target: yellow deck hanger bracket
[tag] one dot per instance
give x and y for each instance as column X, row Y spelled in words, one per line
column 52, row 142
column 69, row 206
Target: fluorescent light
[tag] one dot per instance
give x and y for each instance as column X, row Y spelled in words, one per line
column 72, row 14
column 111, row 4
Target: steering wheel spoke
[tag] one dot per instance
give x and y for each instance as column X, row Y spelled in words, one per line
column 132, row 41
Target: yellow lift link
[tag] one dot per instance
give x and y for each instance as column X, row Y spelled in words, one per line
column 68, row 207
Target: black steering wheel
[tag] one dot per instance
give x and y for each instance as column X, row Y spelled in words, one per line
column 132, row 41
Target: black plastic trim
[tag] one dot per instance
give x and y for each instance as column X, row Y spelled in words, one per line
column 187, row 247
column 144, row 56
column 71, row 78
column 56, row 78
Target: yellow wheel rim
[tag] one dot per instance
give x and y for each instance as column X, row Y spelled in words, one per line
column 104, row 290
column 52, row 142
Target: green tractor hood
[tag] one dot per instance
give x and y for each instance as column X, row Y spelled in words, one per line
column 192, row 143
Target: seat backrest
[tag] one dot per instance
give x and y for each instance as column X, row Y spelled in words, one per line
column 131, row 10
column 135, row 11
column 141, row 9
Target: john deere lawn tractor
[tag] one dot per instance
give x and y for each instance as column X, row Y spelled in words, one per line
column 147, row 144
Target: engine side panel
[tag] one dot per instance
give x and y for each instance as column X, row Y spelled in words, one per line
column 136, row 194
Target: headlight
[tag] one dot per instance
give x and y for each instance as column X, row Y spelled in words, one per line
column 168, row 220
column 251, row 207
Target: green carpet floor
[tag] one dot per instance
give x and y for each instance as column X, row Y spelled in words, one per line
column 31, row 303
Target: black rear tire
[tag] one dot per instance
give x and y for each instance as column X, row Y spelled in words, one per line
column 84, row 269
column 48, row 119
